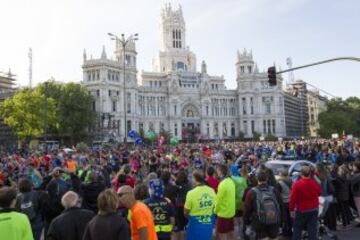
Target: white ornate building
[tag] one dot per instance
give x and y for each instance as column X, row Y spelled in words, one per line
column 178, row 98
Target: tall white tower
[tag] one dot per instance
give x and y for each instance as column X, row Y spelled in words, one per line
column 172, row 31
column 174, row 55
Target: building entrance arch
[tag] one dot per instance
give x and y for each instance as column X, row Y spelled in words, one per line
column 190, row 122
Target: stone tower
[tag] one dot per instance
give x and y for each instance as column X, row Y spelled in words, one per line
column 174, row 55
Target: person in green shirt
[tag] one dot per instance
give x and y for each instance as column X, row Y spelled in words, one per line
column 240, row 186
column 199, row 205
column 13, row 225
column 225, row 204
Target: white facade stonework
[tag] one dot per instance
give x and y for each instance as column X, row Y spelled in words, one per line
column 174, row 96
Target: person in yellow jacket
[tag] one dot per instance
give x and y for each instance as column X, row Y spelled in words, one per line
column 13, row 225
column 225, row 207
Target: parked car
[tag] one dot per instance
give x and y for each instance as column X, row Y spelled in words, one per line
column 293, row 166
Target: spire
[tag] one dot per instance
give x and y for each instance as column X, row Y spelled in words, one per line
column 203, row 67
column 103, row 54
column 238, row 54
column 256, row 69
column 180, row 11
column 245, row 52
column 250, row 54
column 84, row 55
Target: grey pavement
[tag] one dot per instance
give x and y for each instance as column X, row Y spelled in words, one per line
column 353, row 234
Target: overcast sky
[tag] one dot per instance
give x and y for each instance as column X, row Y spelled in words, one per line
column 305, row 30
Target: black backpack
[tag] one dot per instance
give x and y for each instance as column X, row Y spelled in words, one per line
column 28, row 204
column 267, row 206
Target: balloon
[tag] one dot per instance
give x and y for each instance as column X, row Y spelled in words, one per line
column 138, row 141
column 174, row 141
column 151, row 135
column 132, row 133
column 161, row 140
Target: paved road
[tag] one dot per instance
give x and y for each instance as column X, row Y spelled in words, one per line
column 353, row 234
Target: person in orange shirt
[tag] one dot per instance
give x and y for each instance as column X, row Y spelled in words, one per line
column 71, row 165
column 141, row 219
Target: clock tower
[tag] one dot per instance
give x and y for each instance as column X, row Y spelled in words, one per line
column 174, row 55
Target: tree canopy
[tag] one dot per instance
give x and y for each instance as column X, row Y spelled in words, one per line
column 73, row 108
column 69, row 111
column 341, row 115
column 28, row 112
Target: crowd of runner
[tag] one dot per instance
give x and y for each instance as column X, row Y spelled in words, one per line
column 189, row 191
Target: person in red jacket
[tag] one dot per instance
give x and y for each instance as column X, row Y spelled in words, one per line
column 304, row 205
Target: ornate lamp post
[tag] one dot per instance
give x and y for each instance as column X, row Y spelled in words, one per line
column 124, row 41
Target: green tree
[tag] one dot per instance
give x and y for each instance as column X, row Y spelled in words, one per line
column 73, row 108
column 28, row 112
column 270, row 137
column 241, row 136
column 340, row 115
column 256, row 136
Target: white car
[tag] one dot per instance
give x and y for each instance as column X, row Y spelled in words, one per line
column 293, row 166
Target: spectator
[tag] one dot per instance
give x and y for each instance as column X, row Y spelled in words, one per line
column 141, row 219
column 170, row 189
column 107, row 224
column 342, row 194
column 29, row 202
column 210, row 178
column 327, row 192
column 355, row 186
column 70, row 224
column 13, row 225
column 262, row 213
column 284, row 187
column 304, row 199
column 183, row 187
column 225, row 207
column 240, row 186
column 56, row 188
column 162, row 210
column 141, row 192
column 199, row 205
column 91, row 190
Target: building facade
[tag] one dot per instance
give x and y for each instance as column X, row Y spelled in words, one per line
column 7, row 89
column 177, row 97
column 316, row 105
column 296, row 110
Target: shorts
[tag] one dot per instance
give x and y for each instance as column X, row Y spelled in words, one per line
column 224, row 225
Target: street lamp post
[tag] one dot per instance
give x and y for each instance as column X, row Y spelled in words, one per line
column 46, row 117
column 124, row 41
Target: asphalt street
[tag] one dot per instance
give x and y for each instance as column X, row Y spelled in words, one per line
column 353, row 234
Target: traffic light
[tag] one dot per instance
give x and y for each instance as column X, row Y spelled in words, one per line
column 272, row 76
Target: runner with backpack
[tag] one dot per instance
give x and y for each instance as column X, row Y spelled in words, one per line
column 262, row 213
column 28, row 201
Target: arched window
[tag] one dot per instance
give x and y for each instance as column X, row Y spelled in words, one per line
column 180, row 66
